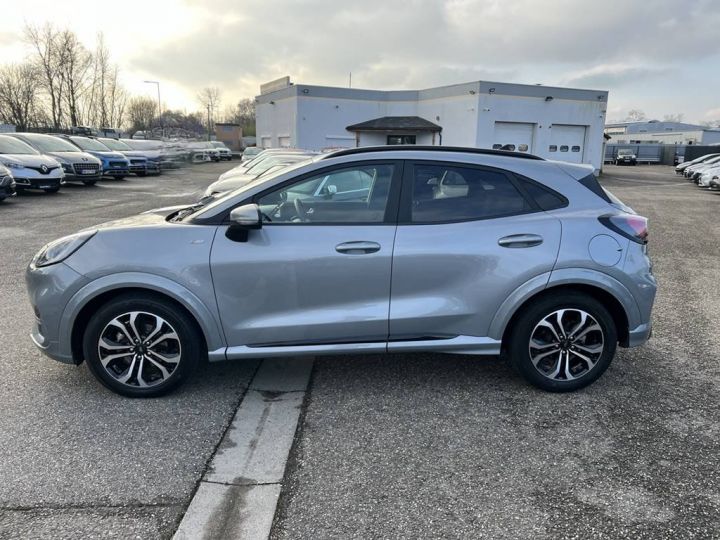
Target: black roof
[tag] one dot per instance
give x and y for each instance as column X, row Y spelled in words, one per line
column 396, row 123
column 421, row 148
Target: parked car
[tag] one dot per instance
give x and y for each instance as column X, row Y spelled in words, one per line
column 706, row 175
column 152, row 151
column 202, row 151
column 138, row 163
column 250, row 152
column 77, row 165
column 113, row 163
column 30, row 169
column 680, row 168
column 225, row 152
column 7, row 183
column 233, row 181
column 443, row 249
column 693, row 171
column 715, row 181
column 626, row 157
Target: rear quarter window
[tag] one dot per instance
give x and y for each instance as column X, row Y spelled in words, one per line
column 544, row 197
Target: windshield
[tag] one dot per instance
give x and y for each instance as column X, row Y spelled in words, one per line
column 9, row 145
column 144, row 145
column 218, row 144
column 625, row 152
column 114, row 144
column 48, row 143
column 252, row 151
column 89, row 144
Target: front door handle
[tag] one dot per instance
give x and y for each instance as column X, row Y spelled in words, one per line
column 357, row 248
column 520, row 241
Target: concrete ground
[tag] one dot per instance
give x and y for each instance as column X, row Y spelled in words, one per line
column 405, row 446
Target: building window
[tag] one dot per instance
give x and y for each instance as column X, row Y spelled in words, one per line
column 497, row 146
column 523, row 148
column 564, row 148
column 575, row 148
column 553, row 148
column 401, row 139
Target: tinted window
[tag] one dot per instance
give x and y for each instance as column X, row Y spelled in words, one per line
column 523, row 148
column 351, row 195
column 563, row 148
column 575, row 148
column 401, row 139
column 443, row 193
column 545, row 198
column 553, row 148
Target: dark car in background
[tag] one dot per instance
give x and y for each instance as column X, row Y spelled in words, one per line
column 77, row 165
column 7, row 183
column 139, row 163
column 625, row 156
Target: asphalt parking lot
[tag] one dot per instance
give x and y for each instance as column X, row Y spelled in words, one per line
column 402, row 446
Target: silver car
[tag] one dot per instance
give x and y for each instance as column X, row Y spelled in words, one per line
column 441, row 249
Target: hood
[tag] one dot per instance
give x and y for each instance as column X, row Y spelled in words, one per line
column 152, row 217
column 228, row 184
column 133, row 154
column 29, row 160
column 4, row 171
column 106, row 155
column 235, row 171
column 74, row 157
column 148, row 154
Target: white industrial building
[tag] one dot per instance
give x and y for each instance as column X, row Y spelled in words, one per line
column 556, row 123
column 657, row 132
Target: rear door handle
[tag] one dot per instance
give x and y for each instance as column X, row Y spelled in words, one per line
column 520, row 241
column 357, row 248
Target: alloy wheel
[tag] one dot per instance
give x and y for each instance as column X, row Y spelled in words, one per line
column 566, row 344
column 139, row 349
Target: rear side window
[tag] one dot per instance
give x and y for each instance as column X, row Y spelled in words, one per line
column 449, row 193
column 593, row 185
column 546, row 198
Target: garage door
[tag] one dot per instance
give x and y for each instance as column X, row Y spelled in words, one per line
column 515, row 136
column 284, row 142
column 265, row 142
column 567, row 143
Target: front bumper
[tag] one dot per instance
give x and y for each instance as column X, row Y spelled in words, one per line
column 38, row 182
column 7, row 191
column 50, row 288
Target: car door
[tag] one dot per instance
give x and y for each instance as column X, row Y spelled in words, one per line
column 318, row 271
column 467, row 237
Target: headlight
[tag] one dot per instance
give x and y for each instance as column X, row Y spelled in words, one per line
column 13, row 165
column 67, row 167
column 61, row 249
column 6, row 181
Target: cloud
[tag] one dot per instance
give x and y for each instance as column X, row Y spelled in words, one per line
column 612, row 75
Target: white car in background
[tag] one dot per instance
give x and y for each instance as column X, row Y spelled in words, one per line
column 225, row 152
column 680, row 168
column 29, row 168
column 693, row 171
column 249, row 153
column 707, row 175
column 7, row 183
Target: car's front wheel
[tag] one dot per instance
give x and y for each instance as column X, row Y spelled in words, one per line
column 563, row 343
column 141, row 346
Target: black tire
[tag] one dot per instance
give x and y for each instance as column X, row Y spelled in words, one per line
column 522, row 331
column 89, row 182
column 52, row 189
column 188, row 336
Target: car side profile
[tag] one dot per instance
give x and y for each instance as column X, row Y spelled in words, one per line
column 439, row 249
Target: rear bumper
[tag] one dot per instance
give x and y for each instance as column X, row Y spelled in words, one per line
column 639, row 335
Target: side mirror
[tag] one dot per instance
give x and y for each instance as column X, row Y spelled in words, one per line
column 246, row 217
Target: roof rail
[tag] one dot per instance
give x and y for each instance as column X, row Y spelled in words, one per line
column 409, row 147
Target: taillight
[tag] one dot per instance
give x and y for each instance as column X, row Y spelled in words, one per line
column 630, row 226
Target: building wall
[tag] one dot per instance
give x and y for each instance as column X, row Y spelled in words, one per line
column 315, row 118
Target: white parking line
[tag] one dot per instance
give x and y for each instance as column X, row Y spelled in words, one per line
column 238, row 495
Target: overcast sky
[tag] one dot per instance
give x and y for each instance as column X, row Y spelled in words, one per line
column 660, row 56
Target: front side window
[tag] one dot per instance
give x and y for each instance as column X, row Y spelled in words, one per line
column 351, row 195
column 448, row 193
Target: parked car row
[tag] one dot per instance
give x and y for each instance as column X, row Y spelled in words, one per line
column 47, row 161
column 704, row 171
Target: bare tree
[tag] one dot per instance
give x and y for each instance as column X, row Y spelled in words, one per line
column 242, row 113
column 107, row 99
column 635, row 115
column 74, row 66
column 209, row 98
column 18, row 94
column 675, row 117
column 48, row 59
column 141, row 113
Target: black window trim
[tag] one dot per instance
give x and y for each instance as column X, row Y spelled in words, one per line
column 523, row 178
column 404, row 216
column 391, row 210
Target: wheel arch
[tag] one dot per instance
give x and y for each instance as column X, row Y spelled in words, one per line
column 97, row 293
column 605, row 289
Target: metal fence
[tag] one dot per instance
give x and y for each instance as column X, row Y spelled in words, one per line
column 665, row 154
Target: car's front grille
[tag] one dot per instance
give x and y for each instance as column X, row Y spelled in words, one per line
column 137, row 161
column 117, row 164
column 80, row 167
column 47, row 170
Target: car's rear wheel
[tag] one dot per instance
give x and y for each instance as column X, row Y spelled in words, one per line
column 141, row 346
column 564, row 343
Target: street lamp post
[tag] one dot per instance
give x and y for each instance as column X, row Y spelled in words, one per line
column 159, row 104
